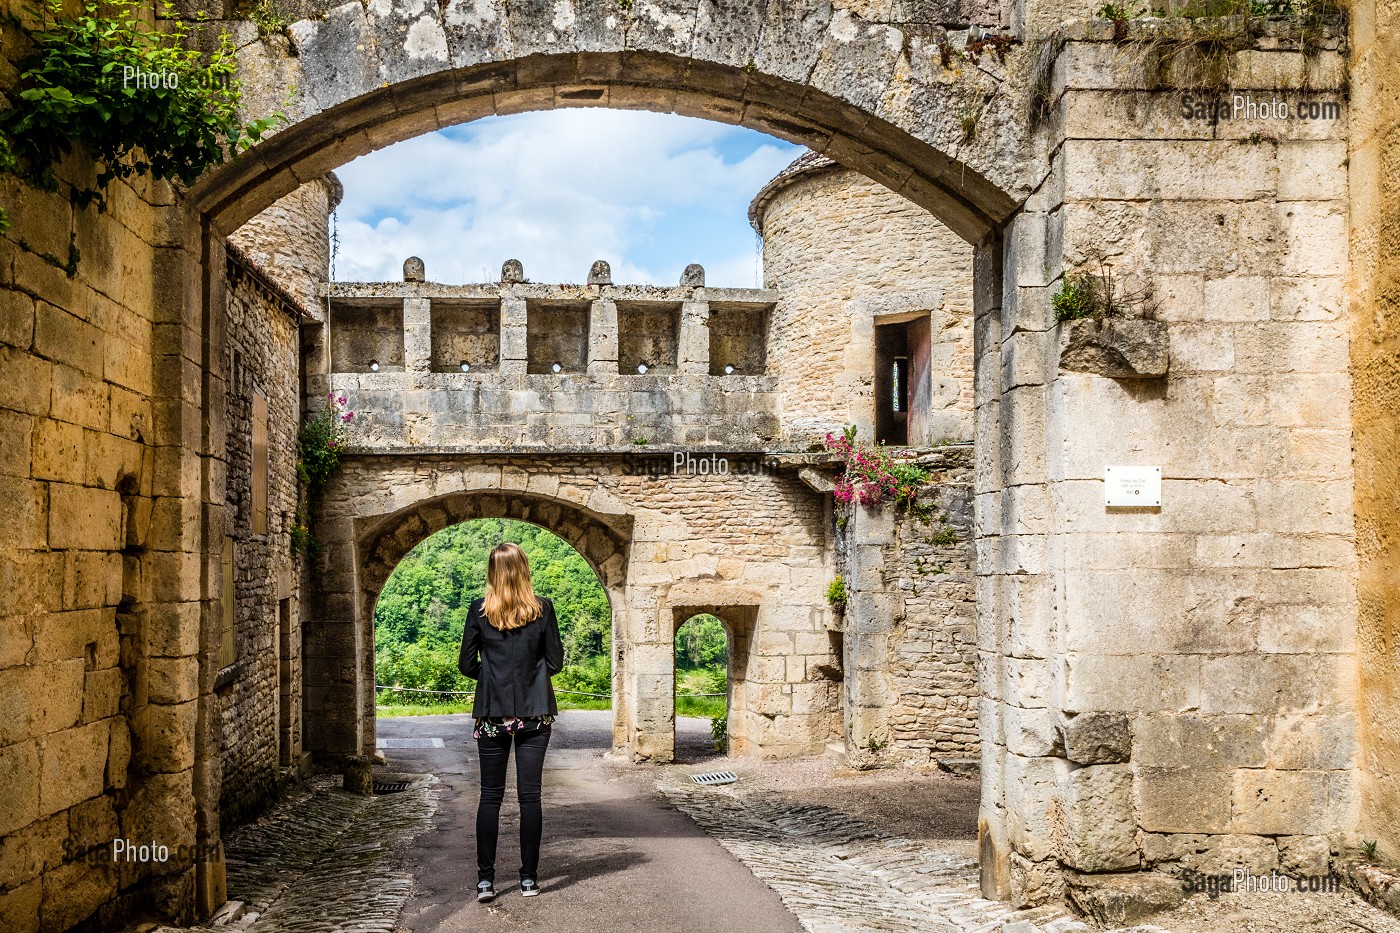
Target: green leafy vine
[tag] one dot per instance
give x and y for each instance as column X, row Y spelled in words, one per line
column 319, row 443
column 133, row 97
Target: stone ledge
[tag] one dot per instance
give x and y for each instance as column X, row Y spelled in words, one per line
column 778, row 458
column 1241, row 29
column 348, row 294
column 1119, row 348
column 960, row 767
column 1116, row 900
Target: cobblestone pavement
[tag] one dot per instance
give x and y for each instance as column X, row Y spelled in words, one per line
column 329, row 862
column 325, row 861
column 842, row 875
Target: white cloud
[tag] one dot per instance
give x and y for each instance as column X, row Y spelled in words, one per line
column 557, row 190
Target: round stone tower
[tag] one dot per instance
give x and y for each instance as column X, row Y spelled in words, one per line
column 291, row 239
column 874, row 326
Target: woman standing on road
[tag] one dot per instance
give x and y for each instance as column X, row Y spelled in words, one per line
column 511, row 648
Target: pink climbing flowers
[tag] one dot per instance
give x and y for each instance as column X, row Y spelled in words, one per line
column 340, row 401
column 320, row 441
column 871, row 475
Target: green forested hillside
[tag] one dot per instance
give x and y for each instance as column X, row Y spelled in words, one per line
column 423, row 607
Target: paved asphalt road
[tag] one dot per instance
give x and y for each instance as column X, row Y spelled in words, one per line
column 616, row 858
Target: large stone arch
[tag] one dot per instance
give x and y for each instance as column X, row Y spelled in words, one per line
column 1146, row 642
column 878, row 97
column 382, row 540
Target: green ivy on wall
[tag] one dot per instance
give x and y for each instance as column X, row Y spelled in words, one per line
column 132, row 96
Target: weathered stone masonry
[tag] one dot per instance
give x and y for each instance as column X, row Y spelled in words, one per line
column 108, row 658
column 910, row 623
column 1216, row 633
column 259, row 684
column 386, row 352
column 100, row 667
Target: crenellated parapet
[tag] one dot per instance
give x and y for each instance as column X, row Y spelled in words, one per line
column 523, row 365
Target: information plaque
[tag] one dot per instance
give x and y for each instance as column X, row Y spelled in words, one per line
column 1132, row 486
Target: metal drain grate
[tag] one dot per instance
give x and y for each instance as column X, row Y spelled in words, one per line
column 382, row 787
column 409, row 743
column 715, row 777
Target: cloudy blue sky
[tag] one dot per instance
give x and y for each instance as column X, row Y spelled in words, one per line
column 648, row 192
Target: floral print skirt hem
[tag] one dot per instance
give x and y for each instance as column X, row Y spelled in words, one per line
column 492, row 727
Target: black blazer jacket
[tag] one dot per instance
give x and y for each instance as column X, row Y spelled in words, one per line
column 512, row 668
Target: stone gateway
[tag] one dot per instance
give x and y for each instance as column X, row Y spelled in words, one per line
column 1205, row 685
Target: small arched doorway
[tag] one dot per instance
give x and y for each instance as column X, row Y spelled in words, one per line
column 702, row 688
column 704, row 635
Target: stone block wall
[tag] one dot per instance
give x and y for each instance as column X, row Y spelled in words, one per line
column 465, row 332
column 1374, row 298
column 910, row 623
column 1213, row 636
column 259, row 685
column 846, row 253
column 113, row 415
column 933, row 659
column 100, row 626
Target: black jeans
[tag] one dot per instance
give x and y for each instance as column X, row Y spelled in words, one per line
column 529, row 768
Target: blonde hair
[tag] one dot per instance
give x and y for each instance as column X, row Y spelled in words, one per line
column 510, row 598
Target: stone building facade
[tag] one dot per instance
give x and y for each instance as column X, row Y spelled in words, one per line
column 1213, row 636
column 290, row 239
column 259, row 681
column 277, row 266
column 1211, row 676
